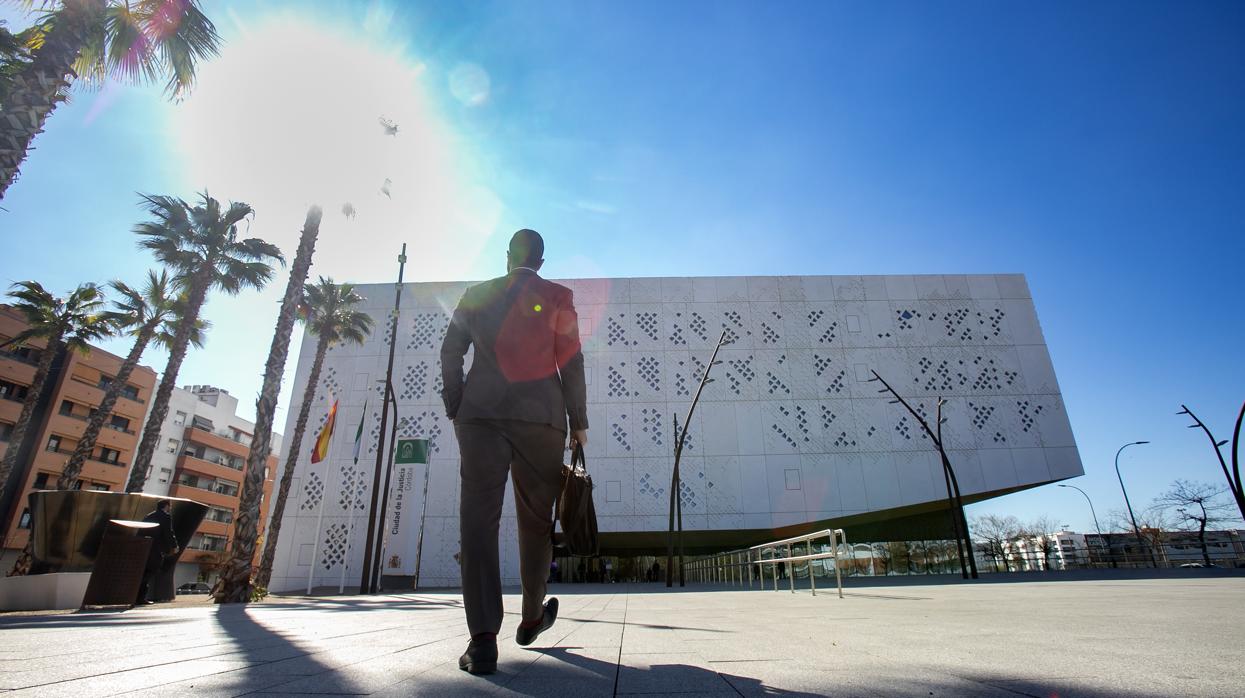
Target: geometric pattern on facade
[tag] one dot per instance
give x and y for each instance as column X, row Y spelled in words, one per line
column 789, row 432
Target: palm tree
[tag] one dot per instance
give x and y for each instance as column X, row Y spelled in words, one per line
column 234, row 585
column 200, row 245
column 63, row 323
column 141, row 313
column 328, row 311
column 164, row 339
column 139, row 41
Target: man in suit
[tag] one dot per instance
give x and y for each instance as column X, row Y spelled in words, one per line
column 511, row 415
column 163, row 542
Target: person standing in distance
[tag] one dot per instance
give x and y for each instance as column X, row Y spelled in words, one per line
column 163, row 542
column 511, row 415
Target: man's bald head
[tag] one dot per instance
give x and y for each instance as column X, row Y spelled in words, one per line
column 527, row 249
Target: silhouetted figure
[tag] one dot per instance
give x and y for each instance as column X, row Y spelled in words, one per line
column 511, row 417
column 163, row 542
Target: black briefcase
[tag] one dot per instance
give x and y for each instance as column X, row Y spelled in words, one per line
column 575, row 509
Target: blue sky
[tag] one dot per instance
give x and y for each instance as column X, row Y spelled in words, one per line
column 1097, row 149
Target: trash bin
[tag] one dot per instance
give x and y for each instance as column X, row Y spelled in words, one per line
column 119, row 564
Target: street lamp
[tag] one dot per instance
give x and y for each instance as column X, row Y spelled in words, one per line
column 1131, row 517
column 1095, row 515
column 378, row 555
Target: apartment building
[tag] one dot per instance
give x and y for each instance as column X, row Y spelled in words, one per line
column 202, row 455
column 73, row 390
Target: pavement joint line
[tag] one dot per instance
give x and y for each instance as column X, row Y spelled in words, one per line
column 262, row 663
column 540, row 655
column 303, row 677
column 622, row 637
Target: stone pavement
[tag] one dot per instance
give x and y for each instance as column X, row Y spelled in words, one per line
column 1113, row 637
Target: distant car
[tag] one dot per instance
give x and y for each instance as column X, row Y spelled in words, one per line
column 194, row 588
column 1198, row 564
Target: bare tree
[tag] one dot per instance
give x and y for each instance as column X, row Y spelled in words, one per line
column 882, row 556
column 1152, row 525
column 1041, row 531
column 1197, row 505
column 993, row 533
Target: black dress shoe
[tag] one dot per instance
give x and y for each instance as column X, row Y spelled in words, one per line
column 480, row 657
column 526, row 636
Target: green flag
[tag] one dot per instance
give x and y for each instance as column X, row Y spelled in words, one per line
column 412, row 451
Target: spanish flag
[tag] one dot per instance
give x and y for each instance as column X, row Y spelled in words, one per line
column 321, row 450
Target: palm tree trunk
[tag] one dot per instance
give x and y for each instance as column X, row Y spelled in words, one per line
column 287, row 476
column 168, row 381
column 234, row 585
column 86, row 444
column 36, row 89
column 9, row 469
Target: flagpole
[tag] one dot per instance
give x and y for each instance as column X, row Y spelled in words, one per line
column 365, row 582
column 315, row 544
column 354, row 492
column 423, row 516
column 341, row 584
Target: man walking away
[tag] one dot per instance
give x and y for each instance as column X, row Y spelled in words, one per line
column 163, row 542
column 511, row 416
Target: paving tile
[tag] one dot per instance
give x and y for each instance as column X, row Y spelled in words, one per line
column 1091, row 638
column 668, row 673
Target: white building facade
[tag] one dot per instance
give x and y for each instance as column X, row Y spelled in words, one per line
column 201, row 455
column 789, row 435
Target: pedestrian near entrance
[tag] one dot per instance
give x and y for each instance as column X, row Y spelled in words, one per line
column 163, row 543
column 511, row 414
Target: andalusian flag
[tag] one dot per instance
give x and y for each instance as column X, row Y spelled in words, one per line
column 358, row 435
column 321, row 449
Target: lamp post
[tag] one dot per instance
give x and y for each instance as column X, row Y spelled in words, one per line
column 365, row 582
column 1095, row 515
column 378, row 555
column 1131, row 517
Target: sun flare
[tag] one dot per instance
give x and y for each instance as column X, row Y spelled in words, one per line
column 295, row 112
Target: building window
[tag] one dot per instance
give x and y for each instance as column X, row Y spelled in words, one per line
column 41, row 481
column 119, row 423
column 172, row 445
column 13, row 391
column 67, row 408
column 6, row 431
column 220, row 515
column 180, row 419
column 99, row 488
column 54, row 443
column 208, row 542
column 109, row 455
column 24, row 522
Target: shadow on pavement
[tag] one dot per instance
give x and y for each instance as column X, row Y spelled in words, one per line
column 87, row 619
column 274, row 658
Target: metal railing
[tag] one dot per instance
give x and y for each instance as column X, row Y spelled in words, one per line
column 731, row 567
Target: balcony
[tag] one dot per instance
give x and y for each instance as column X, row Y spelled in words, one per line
column 203, row 495
column 211, row 469
column 88, row 392
column 220, row 442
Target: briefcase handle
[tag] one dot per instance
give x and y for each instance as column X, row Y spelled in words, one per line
column 577, row 457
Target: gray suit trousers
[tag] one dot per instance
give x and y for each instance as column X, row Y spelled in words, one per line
column 491, row 450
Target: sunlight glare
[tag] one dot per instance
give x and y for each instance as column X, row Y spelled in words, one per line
column 290, row 114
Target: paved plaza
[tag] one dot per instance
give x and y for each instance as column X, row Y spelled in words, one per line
column 1177, row 636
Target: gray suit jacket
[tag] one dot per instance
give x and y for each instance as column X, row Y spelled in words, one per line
column 527, row 364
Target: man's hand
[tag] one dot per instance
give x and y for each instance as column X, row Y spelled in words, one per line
column 579, row 436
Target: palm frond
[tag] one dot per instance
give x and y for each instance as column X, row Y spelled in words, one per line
column 183, row 39
column 130, row 53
